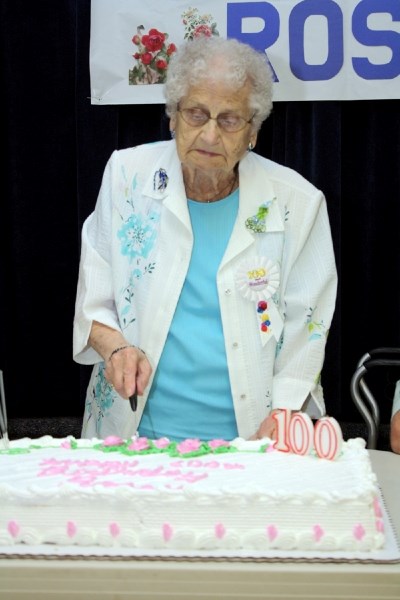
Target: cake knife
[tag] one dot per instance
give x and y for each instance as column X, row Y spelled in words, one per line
column 133, row 401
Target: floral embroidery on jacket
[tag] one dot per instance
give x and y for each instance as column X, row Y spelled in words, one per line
column 316, row 329
column 138, row 235
column 102, row 395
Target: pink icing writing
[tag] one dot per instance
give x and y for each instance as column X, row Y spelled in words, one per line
column 13, row 528
column 88, row 473
column 272, row 532
column 231, row 466
column 318, row 532
column 114, row 529
column 219, row 531
column 71, row 529
column 167, row 532
column 358, row 532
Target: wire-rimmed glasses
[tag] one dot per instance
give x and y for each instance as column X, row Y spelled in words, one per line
column 229, row 122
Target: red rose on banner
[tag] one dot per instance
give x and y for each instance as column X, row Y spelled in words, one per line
column 152, row 57
column 146, row 58
column 202, row 30
column 154, row 40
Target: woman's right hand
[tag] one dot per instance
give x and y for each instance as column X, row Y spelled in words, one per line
column 128, row 370
column 127, row 367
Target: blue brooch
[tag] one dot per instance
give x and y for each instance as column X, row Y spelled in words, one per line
column 160, row 180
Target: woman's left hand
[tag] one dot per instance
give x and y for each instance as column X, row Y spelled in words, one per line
column 267, row 428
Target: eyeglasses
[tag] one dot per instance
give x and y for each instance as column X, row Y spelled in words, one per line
column 197, row 117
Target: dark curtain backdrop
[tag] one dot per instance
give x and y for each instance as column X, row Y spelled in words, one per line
column 55, row 147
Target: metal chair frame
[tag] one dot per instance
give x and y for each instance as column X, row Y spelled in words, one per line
column 361, row 394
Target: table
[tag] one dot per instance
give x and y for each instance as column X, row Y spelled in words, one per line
column 37, row 579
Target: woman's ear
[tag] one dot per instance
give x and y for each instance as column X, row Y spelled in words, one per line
column 172, row 124
column 253, row 139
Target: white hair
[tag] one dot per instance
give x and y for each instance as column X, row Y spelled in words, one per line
column 226, row 60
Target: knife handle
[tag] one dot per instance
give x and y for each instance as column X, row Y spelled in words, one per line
column 133, row 401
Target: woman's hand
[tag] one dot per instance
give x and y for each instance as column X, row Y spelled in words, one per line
column 127, row 367
column 267, row 428
column 128, row 370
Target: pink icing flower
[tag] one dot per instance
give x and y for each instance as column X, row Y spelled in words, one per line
column 113, row 440
column 66, row 444
column 13, row 528
column 218, row 443
column 141, row 443
column 167, row 531
column 161, row 443
column 114, row 529
column 272, row 532
column 358, row 532
column 71, row 529
column 270, row 448
column 318, row 532
column 188, row 445
column 219, row 531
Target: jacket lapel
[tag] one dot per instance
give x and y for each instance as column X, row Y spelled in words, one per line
column 256, row 189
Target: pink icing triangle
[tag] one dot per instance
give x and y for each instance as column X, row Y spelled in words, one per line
column 272, row 532
column 13, row 528
column 114, row 529
column 377, row 507
column 219, row 531
column 318, row 532
column 167, row 532
column 380, row 526
column 71, row 529
column 358, row 532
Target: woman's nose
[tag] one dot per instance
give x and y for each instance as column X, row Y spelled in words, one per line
column 210, row 131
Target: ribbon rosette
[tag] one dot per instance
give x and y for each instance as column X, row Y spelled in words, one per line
column 257, row 280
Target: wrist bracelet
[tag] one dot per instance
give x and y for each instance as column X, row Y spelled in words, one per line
column 118, row 350
column 123, row 348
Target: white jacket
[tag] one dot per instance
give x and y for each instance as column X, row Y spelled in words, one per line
column 136, row 248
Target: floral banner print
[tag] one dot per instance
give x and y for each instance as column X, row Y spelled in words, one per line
column 152, row 57
column 153, row 53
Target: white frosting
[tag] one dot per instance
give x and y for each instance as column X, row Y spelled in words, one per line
column 244, row 500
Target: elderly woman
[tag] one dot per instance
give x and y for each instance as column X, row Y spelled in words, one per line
column 207, row 280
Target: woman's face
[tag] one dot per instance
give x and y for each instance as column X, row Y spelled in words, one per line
column 209, row 147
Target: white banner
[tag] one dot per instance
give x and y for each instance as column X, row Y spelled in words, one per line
column 318, row 49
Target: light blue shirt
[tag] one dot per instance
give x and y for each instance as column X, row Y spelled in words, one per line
column 191, row 392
